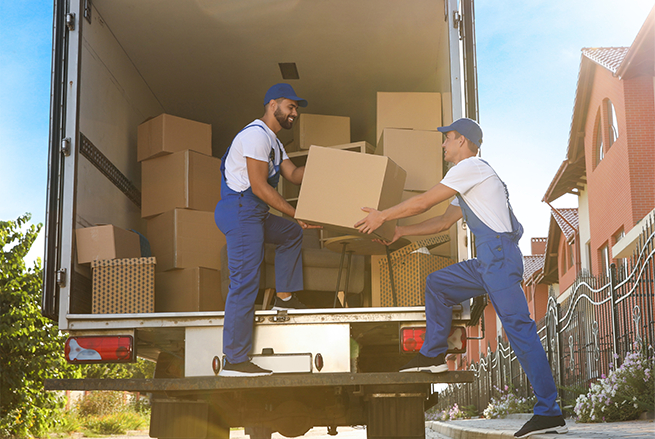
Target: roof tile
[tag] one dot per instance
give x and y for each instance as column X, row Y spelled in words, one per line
column 608, row 57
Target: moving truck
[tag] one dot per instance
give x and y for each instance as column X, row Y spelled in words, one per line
column 119, row 63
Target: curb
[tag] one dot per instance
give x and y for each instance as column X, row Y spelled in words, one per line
column 459, row 432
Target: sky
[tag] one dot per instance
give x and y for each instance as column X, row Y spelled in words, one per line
column 528, row 54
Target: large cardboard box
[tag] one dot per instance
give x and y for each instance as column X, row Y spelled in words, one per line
column 166, row 134
column 188, row 290
column 338, row 183
column 123, row 286
column 106, row 242
column 318, row 129
column 182, row 238
column 418, row 152
column 419, row 111
column 185, row 179
column 410, row 266
column 291, row 191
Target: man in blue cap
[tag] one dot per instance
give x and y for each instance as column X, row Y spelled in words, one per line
column 481, row 198
column 250, row 171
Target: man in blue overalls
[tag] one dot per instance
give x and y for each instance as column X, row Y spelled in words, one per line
column 251, row 169
column 481, row 198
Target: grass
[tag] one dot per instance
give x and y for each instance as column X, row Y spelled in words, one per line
column 100, row 414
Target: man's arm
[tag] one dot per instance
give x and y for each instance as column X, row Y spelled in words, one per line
column 432, row 225
column 291, row 172
column 413, row 206
column 258, row 176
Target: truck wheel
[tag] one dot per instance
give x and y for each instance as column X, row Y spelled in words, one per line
column 396, row 415
column 258, row 432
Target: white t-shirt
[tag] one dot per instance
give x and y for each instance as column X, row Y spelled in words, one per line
column 256, row 144
column 482, row 191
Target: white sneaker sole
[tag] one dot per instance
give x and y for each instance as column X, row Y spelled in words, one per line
column 431, row 369
column 236, row 373
column 552, row 430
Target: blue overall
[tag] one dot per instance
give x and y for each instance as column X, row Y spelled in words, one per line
column 247, row 225
column 498, row 271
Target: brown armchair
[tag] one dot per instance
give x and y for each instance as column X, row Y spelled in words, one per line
column 320, row 272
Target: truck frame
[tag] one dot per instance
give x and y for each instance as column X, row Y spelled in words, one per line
column 118, row 62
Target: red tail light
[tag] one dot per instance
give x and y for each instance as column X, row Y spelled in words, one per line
column 412, row 338
column 100, row 349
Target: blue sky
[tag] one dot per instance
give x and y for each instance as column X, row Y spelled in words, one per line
column 528, row 60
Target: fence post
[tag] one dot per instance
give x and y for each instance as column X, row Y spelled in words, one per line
column 560, row 372
column 615, row 318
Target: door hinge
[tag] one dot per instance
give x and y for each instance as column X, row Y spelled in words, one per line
column 70, row 21
column 87, row 10
column 61, row 277
column 66, row 146
column 458, row 23
column 281, row 316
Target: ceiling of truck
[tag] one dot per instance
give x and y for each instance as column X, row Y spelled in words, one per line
column 212, row 60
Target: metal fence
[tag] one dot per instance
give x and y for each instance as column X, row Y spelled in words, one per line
column 584, row 336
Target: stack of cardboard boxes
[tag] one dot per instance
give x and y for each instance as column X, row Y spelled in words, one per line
column 407, row 133
column 180, row 185
column 122, row 280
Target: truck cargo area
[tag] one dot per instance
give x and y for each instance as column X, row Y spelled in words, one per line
column 118, row 64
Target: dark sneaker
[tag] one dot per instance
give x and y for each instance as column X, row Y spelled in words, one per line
column 543, row 424
column 244, row 369
column 421, row 363
column 293, row 303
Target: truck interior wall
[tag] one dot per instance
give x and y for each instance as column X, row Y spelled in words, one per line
column 114, row 100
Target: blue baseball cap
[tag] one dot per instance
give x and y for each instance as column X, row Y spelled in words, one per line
column 283, row 90
column 467, row 128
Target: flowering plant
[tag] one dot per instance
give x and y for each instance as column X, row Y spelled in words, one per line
column 508, row 403
column 455, row 412
column 623, row 395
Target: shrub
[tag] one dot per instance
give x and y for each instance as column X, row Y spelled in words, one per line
column 623, row 395
column 117, row 423
column 508, row 403
column 100, row 403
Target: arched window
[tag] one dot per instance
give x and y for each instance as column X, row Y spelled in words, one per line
column 599, row 148
column 612, row 124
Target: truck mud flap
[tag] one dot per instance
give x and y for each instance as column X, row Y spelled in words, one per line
column 179, row 419
column 396, row 415
column 171, row 419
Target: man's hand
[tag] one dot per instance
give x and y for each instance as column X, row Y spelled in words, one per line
column 396, row 236
column 373, row 221
column 304, row 225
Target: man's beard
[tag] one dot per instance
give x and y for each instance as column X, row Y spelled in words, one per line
column 282, row 119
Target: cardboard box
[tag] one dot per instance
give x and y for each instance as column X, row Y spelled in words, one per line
column 182, row 238
column 188, row 290
column 418, row 152
column 291, row 191
column 106, row 242
column 166, row 134
column 185, row 179
column 411, row 268
column 419, row 111
column 338, row 183
column 123, row 286
column 321, row 130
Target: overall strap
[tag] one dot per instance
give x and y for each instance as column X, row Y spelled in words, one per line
column 517, row 228
column 273, row 181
